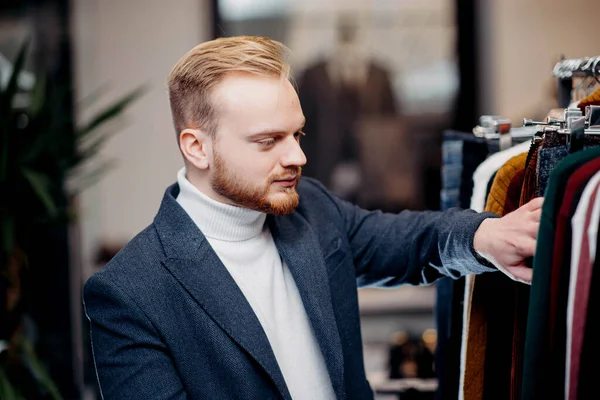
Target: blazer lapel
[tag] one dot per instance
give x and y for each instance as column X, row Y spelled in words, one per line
column 298, row 246
column 193, row 262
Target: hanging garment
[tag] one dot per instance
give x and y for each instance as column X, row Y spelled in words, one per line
column 521, row 293
column 489, row 346
column 481, row 179
column 561, row 254
column 552, row 151
column 462, row 153
column 592, row 100
column 590, row 352
column 561, row 274
column 536, row 368
column 513, row 193
column 484, row 173
column 332, row 108
column 511, row 173
column 448, row 315
column 388, row 164
column 530, row 175
column 584, row 225
column 475, row 152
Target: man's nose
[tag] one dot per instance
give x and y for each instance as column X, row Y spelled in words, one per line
column 293, row 156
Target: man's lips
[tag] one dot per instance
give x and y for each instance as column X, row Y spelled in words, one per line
column 287, row 182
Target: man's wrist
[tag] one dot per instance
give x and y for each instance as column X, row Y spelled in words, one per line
column 481, row 237
column 481, row 242
column 481, row 259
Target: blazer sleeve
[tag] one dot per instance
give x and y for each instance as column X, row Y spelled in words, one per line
column 414, row 247
column 131, row 360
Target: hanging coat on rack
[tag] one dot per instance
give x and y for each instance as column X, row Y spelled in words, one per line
column 332, row 108
column 537, row 368
column 471, row 387
column 492, row 324
column 584, row 226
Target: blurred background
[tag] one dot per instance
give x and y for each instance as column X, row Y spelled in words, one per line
column 379, row 81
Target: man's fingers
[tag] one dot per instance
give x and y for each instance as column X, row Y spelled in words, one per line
column 523, row 273
column 532, row 223
column 532, row 229
column 527, row 247
column 516, row 234
column 535, row 204
column 536, row 215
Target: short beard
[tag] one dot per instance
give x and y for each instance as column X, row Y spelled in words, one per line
column 227, row 184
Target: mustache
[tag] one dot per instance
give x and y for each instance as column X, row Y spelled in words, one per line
column 290, row 173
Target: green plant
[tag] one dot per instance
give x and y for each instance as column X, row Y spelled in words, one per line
column 41, row 151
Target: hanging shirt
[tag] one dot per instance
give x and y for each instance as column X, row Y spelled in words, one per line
column 584, row 220
column 483, row 174
column 536, row 384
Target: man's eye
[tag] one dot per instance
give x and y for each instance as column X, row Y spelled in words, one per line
column 298, row 134
column 267, row 143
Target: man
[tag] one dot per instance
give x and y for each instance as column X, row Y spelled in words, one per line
column 244, row 286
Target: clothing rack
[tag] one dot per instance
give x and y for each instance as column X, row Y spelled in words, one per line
column 493, row 134
column 573, row 118
column 566, row 70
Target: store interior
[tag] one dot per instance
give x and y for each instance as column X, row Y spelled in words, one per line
column 384, row 86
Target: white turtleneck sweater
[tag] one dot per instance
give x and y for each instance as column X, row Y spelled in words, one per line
column 244, row 244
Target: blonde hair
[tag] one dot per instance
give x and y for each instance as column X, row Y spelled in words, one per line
column 197, row 72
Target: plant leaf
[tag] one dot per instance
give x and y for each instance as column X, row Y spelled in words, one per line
column 6, row 100
column 38, row 97
column 12, row 86
column 93, row 147
column 7, row 390
column 92, row 177
column 91, row 98
column 40, row 185
column 4, row 131
column 40, row 372
column 111, row 111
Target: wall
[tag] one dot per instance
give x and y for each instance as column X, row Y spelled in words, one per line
column 521, row 41
column 118, row 46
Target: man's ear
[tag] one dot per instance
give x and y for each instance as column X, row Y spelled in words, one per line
column 195, row 146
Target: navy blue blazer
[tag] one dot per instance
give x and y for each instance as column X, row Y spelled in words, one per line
column 169, row 322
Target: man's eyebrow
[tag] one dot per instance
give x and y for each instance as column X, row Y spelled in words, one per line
column 271, row 132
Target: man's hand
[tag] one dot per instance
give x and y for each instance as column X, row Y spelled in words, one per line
column 509, row 241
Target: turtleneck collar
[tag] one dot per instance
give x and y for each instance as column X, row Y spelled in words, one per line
column 218, row 220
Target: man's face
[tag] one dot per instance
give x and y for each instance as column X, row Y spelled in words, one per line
column 256, row 157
